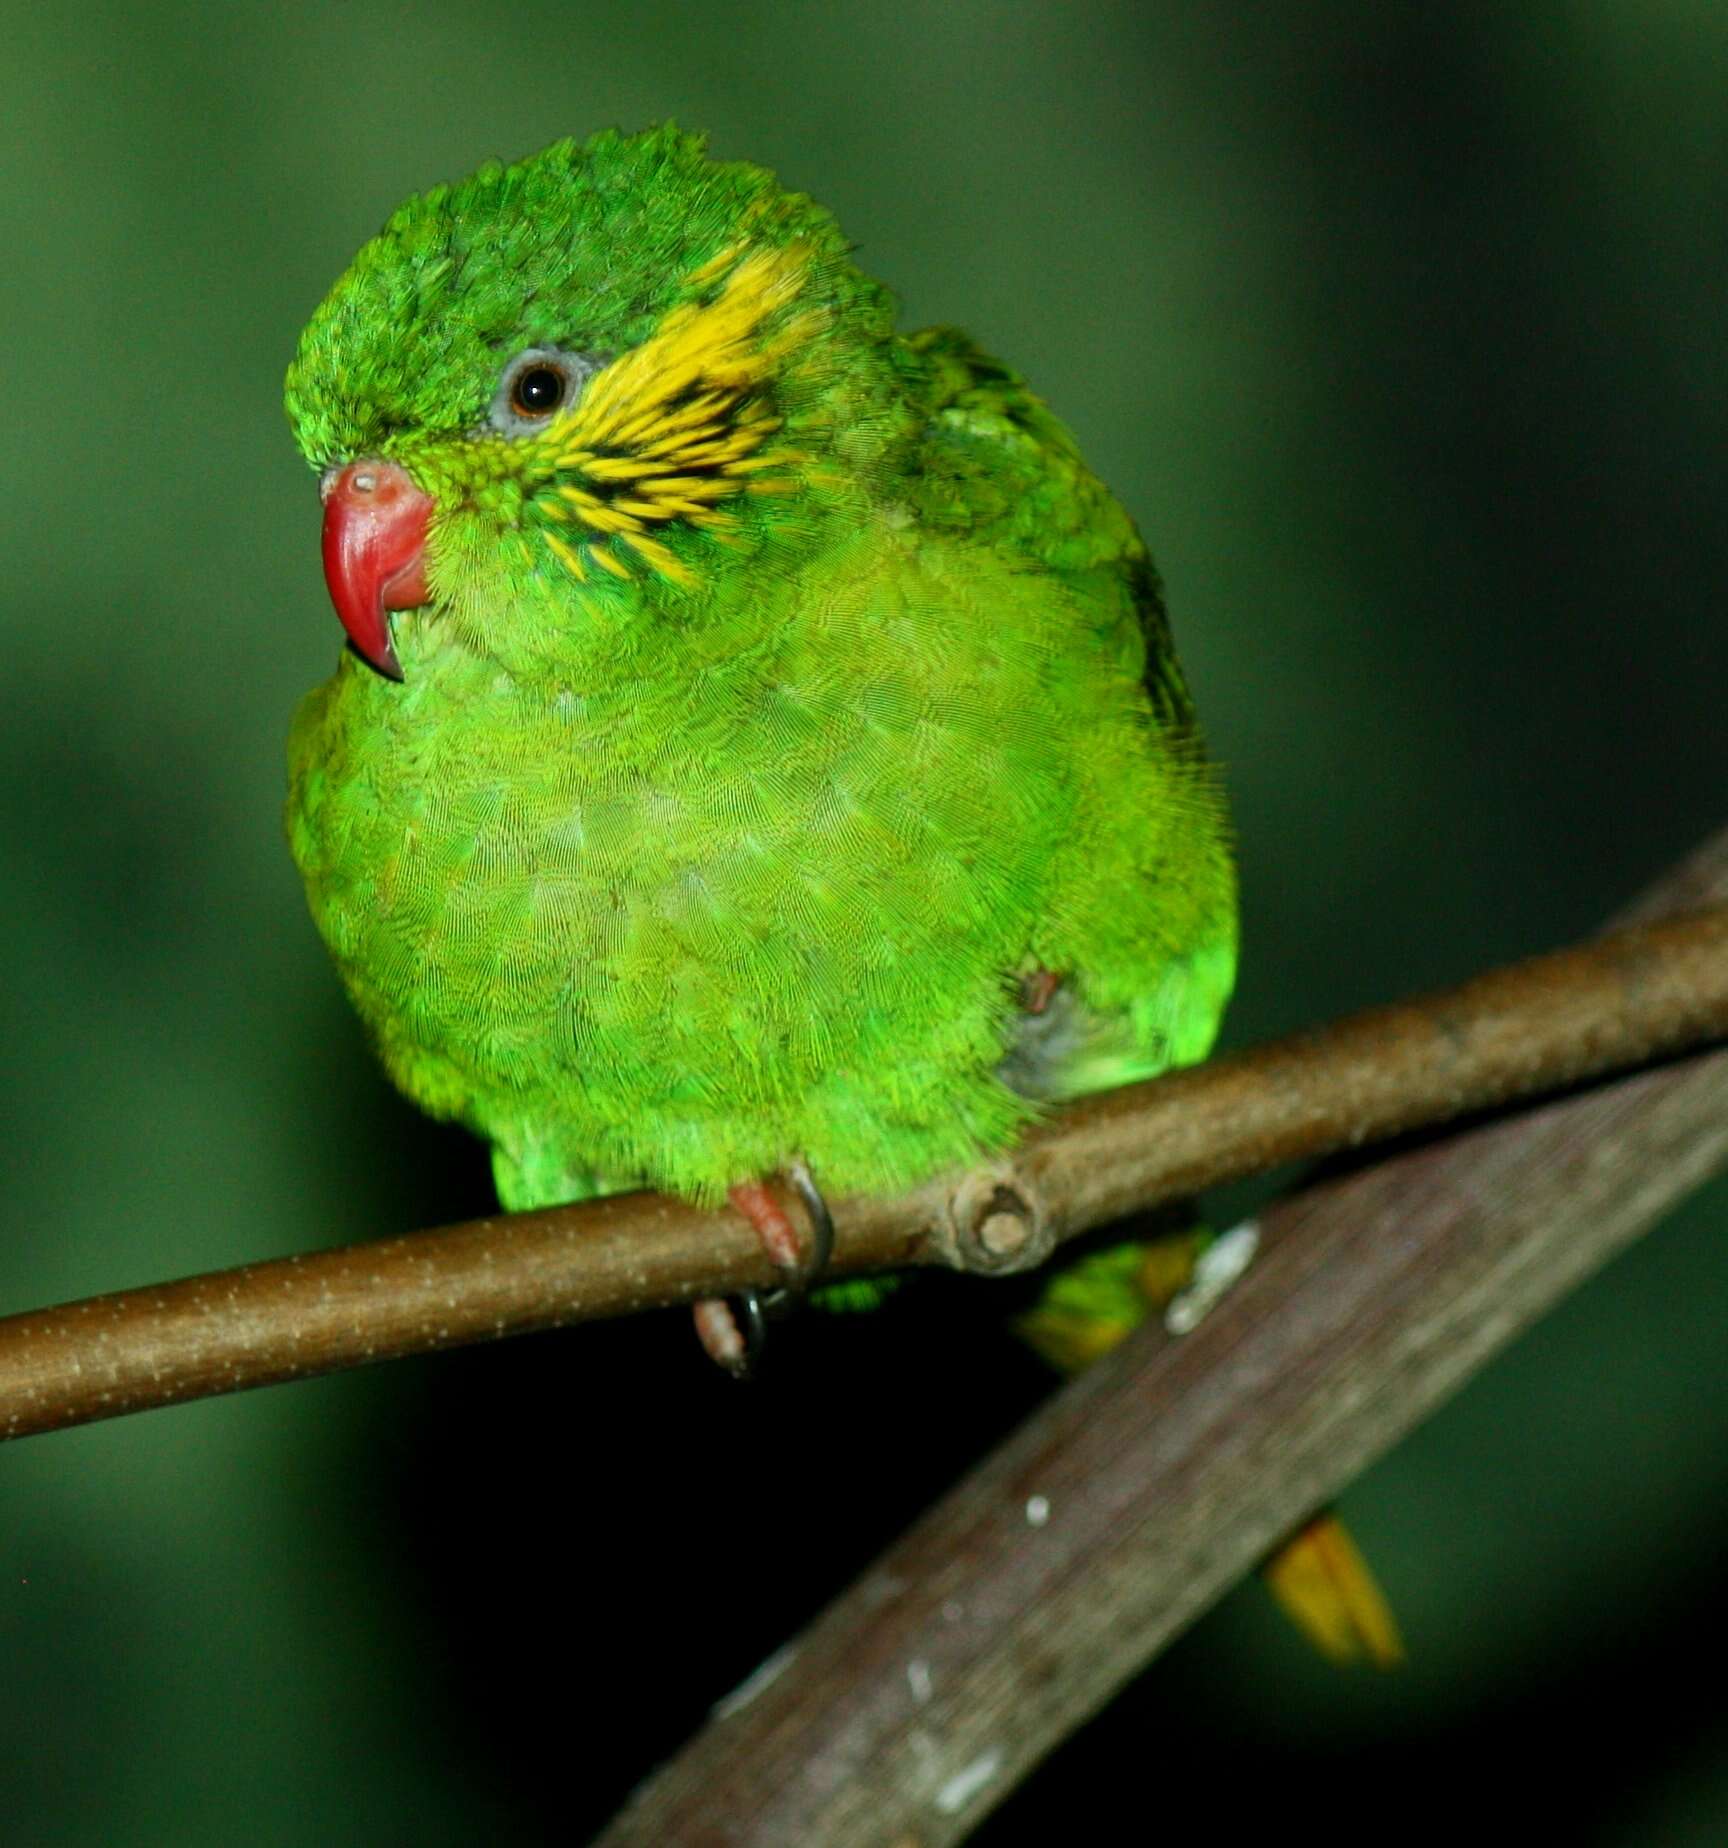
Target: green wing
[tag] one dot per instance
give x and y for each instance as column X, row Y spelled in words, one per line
column 998, row 466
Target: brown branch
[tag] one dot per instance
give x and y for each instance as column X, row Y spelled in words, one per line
column 1650, row 991
column 1019, row 1605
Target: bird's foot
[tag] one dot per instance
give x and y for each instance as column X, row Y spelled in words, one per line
column 1038, row 989
column 733, row 1330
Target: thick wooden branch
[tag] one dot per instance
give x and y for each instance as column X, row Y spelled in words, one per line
column 1650, row 991
column 1019, row 1605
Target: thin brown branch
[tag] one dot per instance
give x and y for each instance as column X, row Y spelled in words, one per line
column 1020, row 1604
column 1647, row 992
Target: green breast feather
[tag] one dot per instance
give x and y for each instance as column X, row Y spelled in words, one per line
column 785, row 700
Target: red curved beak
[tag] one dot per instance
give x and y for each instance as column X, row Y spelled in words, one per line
column 374, row 552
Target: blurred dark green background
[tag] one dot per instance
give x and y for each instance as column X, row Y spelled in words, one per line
column 1401, row 331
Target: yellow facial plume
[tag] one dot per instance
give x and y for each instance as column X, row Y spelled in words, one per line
column 676, row 426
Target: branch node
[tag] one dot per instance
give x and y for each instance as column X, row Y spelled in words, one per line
column 995, row 1224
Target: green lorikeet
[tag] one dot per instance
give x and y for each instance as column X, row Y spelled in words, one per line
column 762, row 742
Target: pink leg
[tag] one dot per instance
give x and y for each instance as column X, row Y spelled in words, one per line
column 768, row 1218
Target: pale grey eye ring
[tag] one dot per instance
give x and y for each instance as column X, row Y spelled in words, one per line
column 508, row 415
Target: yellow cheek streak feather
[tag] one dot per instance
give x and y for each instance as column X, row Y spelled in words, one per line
column 604, row 555
column 713, row 269
column 568, row 556
column 663, row 560
column 677, row 425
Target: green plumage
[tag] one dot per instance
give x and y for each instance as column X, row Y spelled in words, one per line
column 780, row 709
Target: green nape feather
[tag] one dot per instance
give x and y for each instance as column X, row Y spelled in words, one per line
column 786, row 698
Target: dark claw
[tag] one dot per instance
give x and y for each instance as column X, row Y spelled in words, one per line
column 749, row 1311
column 821, row 1223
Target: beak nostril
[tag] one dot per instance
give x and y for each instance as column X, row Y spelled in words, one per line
column 364, row 482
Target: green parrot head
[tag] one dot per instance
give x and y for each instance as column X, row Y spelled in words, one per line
column 570, row 397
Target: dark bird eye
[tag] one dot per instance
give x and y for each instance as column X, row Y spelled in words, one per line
column 537, row 392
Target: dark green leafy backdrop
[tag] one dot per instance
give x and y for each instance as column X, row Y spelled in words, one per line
column 1401, row 330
